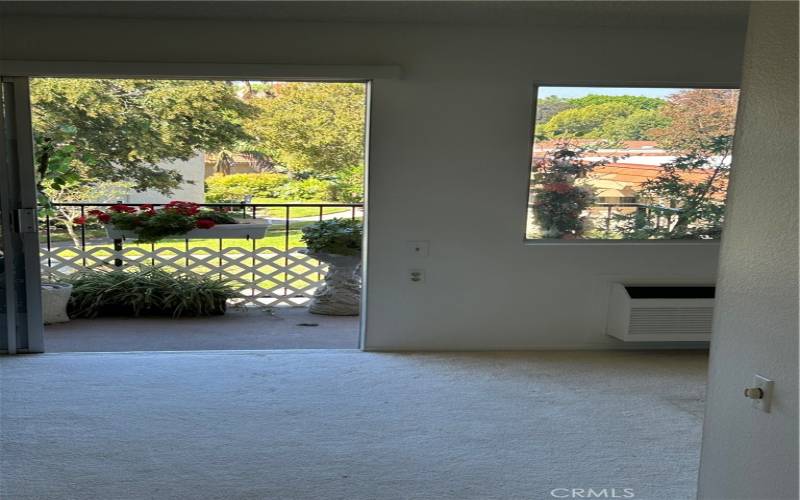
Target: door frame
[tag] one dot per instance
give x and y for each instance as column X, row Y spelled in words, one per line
column 24, row 328
column 368, row 74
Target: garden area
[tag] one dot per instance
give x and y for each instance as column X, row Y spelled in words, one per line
column 631, row 163
column 277, row 223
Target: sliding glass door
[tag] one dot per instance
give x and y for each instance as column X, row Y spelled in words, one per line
column 20, row 288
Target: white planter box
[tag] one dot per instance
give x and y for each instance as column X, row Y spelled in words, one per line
column 251, row 230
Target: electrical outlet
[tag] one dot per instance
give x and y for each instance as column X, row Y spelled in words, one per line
column 416, row 275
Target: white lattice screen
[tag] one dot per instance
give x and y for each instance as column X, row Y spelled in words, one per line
column 264, row 276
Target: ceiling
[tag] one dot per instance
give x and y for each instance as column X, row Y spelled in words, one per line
column 718, row 14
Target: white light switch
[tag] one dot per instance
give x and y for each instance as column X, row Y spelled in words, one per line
column 419, row 248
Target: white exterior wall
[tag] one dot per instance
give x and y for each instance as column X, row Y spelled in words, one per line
column 191, row 189
column 748, row 454
column 450, row 157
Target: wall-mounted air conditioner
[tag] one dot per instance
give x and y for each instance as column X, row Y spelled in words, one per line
column 639, row 313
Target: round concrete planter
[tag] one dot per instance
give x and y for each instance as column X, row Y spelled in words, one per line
column 340, row 294
column 55, row 297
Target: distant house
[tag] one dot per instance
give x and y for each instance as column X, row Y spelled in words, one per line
column 622, row 182
column 632, row 164
column 238, row 163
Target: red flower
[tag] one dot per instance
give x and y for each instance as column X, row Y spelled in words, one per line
column 104, row 217
column 148, row 209
column 183, row 207
column 81, row 220
column 95, row 212
column 205, row 223
column 120, row 208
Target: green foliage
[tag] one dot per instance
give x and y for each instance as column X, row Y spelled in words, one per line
column 687, row 197
column 335, row 236
column 697, row 117
column 218, row 216
column 634, row 101
column 613, row 118
column 152, row 225
column 154, row 228
column 347, row 185
column 312, row 127
column 305, row 189
column 547, row 107
column 146, row 292
column 587, row 121
column 638, row 126
column 558, row 202
column 89, row 130
column 234, row 187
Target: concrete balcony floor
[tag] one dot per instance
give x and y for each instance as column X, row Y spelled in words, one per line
column 238, row 329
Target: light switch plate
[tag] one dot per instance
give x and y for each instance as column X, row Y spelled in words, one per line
column 419, row 248
column 765, row 385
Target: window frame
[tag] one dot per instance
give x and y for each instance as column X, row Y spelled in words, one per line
column 537, row 85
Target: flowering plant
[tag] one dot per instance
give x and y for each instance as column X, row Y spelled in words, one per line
column 559, row 199
column 152, row 224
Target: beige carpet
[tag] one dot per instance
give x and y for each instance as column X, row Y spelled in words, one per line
column 350, row 425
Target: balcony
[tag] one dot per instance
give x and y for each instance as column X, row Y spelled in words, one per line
column 273, row 281
column 603, row 219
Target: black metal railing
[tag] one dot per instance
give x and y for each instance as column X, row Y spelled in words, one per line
column 251, row 210
column 664, row 216
column 603, row 215
column 285, row 219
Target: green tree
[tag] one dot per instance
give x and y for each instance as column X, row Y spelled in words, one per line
column 634, row 101
column 89, row 130
column 585, row 122
column 696, row 117
column 549, row 106
column 559, row 199
column 311, row 128
column 688, row 196
column 637, row 126
column 606, row 117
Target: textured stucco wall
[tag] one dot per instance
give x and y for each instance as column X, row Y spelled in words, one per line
column 746, row 453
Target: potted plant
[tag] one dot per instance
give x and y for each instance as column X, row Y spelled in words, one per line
column 55, row 297
column 146, row 292
column 336, row 242
column 148, row 224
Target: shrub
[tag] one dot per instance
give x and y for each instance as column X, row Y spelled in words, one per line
column 234, row 187
column 558, row 201
column 347, row 186
column 336, row 236
column 305, row 189
column 146, row 292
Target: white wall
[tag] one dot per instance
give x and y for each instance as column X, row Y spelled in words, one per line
column 191, row 189
column 746, row 453
column 450, row 155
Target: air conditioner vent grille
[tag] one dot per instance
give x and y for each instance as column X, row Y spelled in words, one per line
column 670, row 320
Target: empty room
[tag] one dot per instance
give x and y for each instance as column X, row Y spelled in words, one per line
column 356, row 250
